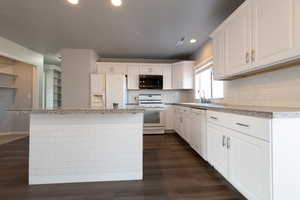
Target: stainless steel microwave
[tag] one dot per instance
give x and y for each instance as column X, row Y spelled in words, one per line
column 151, row 82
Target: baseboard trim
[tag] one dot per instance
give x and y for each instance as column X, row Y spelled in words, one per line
column 15, row 133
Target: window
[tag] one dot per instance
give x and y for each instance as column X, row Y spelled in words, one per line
column 206, row 86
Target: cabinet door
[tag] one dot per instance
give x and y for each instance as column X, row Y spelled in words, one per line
column 188, row 75
column 216, row 148
column 218, row 54
column 167, row 73
column 176, row 76
column 133, row 76
column 187, row 116
column 169, row 118
column 151, row 69
column 183, row 75
column 249, row 165
column 112, row 68
column 201, row 134
column 238, row 40
column 198, row 133
column 273, row 31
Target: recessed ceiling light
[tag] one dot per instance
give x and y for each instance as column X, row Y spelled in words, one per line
column 116, row 2
column 74, row 2
column 192, row 41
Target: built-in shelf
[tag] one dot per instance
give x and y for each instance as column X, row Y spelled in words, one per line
column 8, row 74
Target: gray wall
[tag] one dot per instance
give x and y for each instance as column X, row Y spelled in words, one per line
column 77, row 64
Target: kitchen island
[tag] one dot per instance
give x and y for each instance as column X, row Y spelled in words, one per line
column 70, row 145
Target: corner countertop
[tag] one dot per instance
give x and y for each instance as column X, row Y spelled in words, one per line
column 255, row 111
column 79, row 110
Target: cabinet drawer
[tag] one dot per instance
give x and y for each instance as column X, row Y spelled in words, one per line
column 252, row 126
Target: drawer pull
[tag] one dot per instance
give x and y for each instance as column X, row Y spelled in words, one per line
column 243, row 125
column 215, row 118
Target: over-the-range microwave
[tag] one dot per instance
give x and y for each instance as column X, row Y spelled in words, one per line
column 151, row 82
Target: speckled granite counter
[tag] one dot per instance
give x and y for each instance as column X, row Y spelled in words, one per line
column 100, row 110
column 255, row 111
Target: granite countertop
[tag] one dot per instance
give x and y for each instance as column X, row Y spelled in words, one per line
column 79, row 110
column 255, row 111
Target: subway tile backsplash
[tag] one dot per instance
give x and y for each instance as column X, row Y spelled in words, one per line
column 169, row 96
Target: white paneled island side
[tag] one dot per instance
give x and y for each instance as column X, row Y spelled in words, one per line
column 85, row 145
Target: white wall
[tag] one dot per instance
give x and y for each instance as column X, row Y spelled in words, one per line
column 77, row 65
column 15, row 51
column 277, row 88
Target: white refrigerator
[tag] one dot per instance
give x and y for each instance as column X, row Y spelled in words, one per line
column 108, row 89
column 116, row 90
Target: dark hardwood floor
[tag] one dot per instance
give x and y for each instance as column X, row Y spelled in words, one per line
column 172, row 171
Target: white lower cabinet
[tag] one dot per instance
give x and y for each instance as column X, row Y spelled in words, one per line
column 169, row 117
column 249, row 165
column 190, row 124
column 217, row 149
column 198, row 132
column 242, row 159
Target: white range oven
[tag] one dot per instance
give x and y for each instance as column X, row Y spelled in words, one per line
column 154, row 113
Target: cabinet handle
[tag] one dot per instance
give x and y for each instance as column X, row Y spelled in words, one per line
column 253, row 56
column 228, row 143
column 223, row 141
column 247, row 57
column 215, row 118
column 243, row 125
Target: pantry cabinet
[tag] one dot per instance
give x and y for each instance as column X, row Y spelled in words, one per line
column 258, row 35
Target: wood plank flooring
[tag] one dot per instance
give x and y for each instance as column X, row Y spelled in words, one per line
column 172, row 171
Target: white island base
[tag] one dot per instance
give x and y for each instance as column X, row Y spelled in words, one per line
column 88, row 147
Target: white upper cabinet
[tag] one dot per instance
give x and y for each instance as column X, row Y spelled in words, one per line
column 133, row 76
column 111, row 68
column 258, row 35
column 218, row 54
column 183, row 75
column 238, row 40
column 151, row 69
column 273, row 31
column 167, row 74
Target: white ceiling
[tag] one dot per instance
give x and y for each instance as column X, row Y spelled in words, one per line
column 138, row 29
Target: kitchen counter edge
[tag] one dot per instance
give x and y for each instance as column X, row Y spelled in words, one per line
column 253, row 111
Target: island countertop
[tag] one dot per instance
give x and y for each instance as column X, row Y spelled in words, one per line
column 79, row 110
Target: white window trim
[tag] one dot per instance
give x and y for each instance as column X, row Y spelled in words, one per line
column 202, row 67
